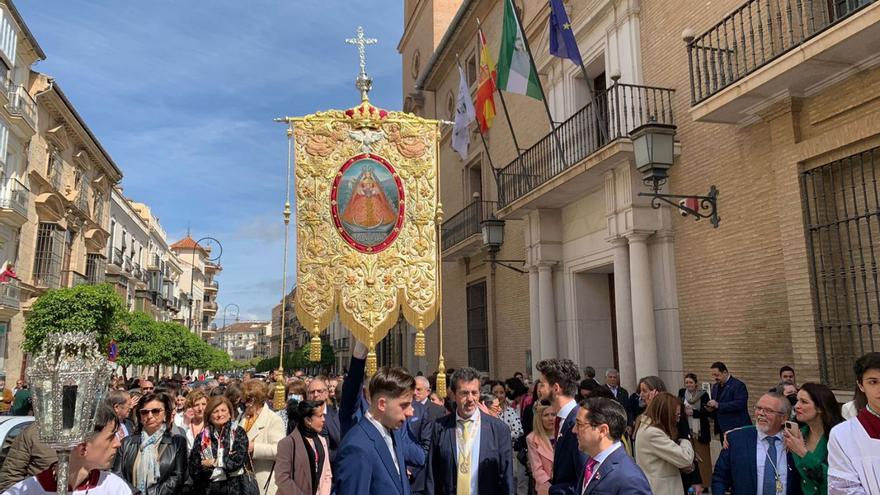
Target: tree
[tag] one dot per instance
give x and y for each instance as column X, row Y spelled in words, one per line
column 138, row 343
column 84, row 308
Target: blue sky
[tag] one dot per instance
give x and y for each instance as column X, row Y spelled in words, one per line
column 182, row 94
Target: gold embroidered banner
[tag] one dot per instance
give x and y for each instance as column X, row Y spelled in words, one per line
column 366, row 221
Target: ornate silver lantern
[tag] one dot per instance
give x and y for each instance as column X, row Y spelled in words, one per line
column 69, row 380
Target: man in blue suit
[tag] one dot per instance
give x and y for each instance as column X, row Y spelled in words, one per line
column 319, row 389
column 729, row 404
column 560, row 378
column 756, row 462
column 371, row 460
column 610, row 471
column 471, row 451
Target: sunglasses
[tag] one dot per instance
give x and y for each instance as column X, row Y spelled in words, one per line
column 154, row 412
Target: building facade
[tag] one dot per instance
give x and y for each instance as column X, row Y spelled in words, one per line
column 244, row 340
column 197, row 280
column 18, row 112
column 777, row 118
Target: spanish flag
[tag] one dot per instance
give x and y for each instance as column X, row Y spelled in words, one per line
column 485, row 105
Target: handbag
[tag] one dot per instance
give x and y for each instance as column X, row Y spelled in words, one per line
column 247, row 481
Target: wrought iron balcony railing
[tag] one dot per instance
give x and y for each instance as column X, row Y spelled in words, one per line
column 21, row 103
column 755, row 34
column 14, row 196
column 466, row 222
column 10, row 294
column 117, row 257
column 617, row 110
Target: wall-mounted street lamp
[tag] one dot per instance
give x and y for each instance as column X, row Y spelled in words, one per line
column 653, row 149
column 493, row 237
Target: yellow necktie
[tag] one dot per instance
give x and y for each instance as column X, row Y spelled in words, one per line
column 463, row 483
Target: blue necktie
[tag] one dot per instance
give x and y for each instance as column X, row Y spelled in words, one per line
column 769, row 486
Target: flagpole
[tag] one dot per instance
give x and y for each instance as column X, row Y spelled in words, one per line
column 540, row 84
column 500, row 96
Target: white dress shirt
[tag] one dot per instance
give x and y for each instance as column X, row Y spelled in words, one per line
column 781, row 460
column 386, row 435
column 475, row 446
column 563, row 413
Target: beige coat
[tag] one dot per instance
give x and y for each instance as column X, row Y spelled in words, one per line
column 264, row 435
column 661, row 458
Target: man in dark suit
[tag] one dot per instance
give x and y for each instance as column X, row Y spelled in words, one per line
column 610, row 470
column 371, row 459
column 319, row 389
column 756, row 461
column 612, row 383
column 423, row 397
column 471, row 451
column 419, row 429
column 729, row 403
column 560, row 378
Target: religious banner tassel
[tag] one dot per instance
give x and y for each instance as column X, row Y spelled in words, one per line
column 315, row 349
column 441, row 379
column 419, row 350
column 371, row 359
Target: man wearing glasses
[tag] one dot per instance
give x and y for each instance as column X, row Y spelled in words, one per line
column 320, row 390
column 756, row 461
column 599, row 425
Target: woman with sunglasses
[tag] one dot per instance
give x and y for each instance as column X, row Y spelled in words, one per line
column 153, row 460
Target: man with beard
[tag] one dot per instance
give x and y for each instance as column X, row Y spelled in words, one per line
column 560, row 378
column 756, row 461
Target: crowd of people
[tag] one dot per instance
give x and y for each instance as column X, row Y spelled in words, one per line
column 559, row 434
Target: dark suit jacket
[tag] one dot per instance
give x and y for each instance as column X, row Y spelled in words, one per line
column 419, row 429
column 568, row 460
column 733, row 405
column 332, row 431
column 622, row 395
column 495, row 471
column 364, row 464
column 435, row 412
column 618, row 474
column 736, row 468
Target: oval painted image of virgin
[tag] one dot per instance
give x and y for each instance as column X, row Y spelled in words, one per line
column 367, row 203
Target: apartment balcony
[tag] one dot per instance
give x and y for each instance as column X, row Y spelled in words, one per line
column 154, row 263
column 117, row 258
column 13, row 202
column 209, row 307
column 211, row 267
column 212, row 287
column 765, row 50
column 461, row 232
column 10, row 298
column 21, row 104
column 554, row 171
column 127, row 265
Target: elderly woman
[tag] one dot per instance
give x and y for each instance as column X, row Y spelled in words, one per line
column 541, row 442
column 303, row 464
column 153, row 460
column 218, row 459
column 264, row 430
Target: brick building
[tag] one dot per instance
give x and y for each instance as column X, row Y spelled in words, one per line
column 782, row 118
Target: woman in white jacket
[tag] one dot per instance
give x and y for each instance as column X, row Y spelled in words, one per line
column 658, row 451
column 264, row 430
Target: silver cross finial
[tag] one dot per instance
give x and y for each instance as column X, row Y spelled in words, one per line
column 363, row 82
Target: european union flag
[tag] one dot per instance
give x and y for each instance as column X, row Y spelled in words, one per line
column 562, row 42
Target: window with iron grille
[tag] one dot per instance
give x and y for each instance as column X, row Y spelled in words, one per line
column 841, row 202
column 96, row 266
column 48, row 256
column 477, row 327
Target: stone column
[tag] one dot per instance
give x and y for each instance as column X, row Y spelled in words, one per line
column 623, row 314
column 534, row 318
column 547, row 302
column 644, row 336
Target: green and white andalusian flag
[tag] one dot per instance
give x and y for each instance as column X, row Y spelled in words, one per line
column 515, row 71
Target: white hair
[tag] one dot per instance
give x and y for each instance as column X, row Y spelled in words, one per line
column 424, row 381
column 611, row 371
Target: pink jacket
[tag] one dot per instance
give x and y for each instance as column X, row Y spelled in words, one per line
column 540, row 462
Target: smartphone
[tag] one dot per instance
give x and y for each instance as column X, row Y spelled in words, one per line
column 791, row 425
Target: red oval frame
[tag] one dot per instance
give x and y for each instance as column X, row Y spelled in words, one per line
column 334, row 208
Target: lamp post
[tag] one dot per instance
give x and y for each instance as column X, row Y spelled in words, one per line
column 192, row 272
column 237, row 312
column 653, row 147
